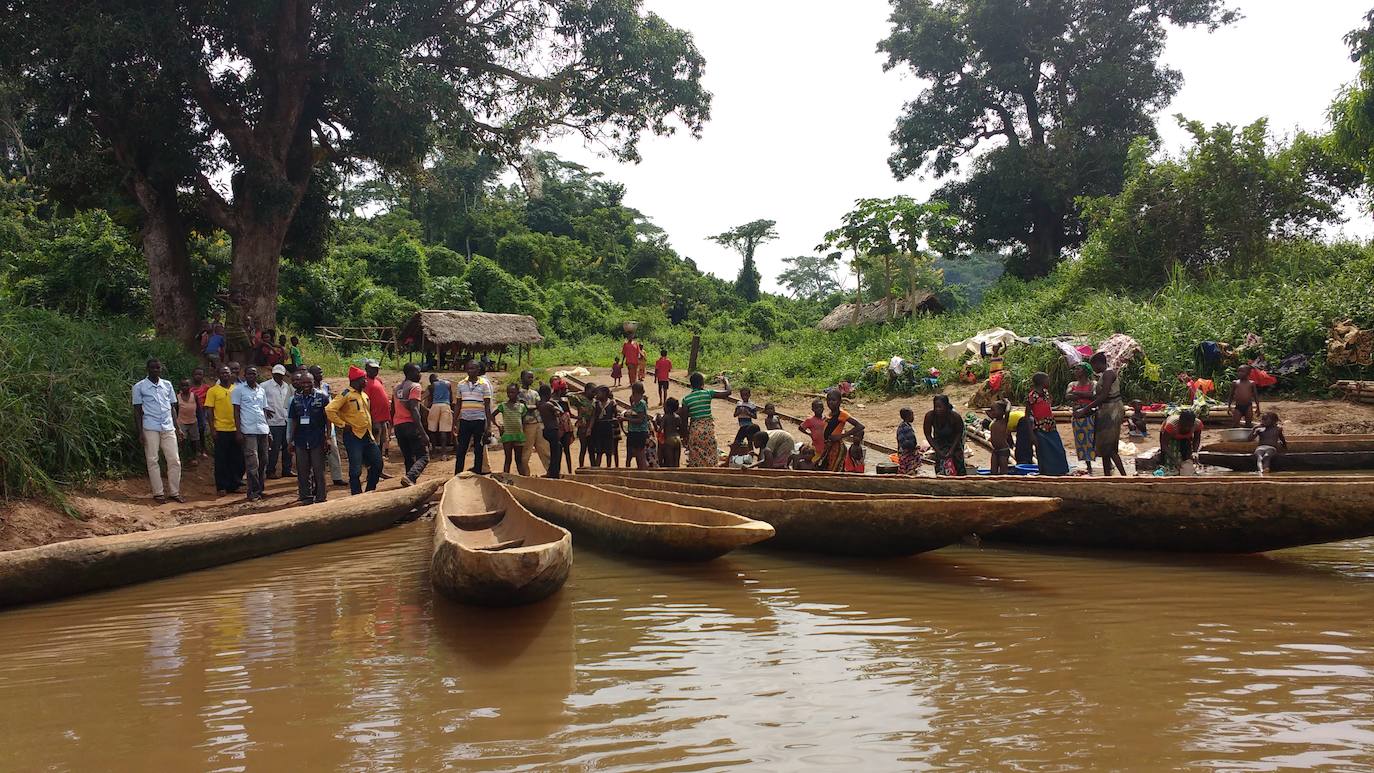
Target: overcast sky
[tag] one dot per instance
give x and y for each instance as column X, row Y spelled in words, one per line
column 802, row 111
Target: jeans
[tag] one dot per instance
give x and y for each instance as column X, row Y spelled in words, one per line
column 310, row 484
column 255, row 462
column 410, row 437
column 279, row 449
column 554, row 440
column 166, row 442
column 470, row 431
column 228, row 462
column 362, row 451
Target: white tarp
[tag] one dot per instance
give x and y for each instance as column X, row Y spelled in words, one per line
column 973, row 345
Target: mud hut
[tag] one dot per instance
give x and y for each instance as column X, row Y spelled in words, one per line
column 875, row 312
column 470, row 332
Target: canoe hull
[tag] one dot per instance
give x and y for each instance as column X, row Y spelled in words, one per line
column 78, row 566
column 863, row 526
column 1217, row 515
column 1291, row 461
column 623, row 524
column 499, row 578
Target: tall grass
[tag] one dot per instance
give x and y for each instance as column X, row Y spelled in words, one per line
column 65, row 412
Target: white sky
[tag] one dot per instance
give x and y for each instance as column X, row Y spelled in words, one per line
column 802, row 111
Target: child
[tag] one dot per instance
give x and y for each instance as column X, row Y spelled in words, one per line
column 605, row 417
column 669, row 423
column 1244, row 401
column 188, row 420
column 296, row 359
column 1270, row 437
column 999, row 435
column 771, row 419
column 805, row 460
column 745, row 412
column 663, row 370
column 814, row 425
column 854, row 457
column 512, row 413
column 740, row 456
column 1137, row 428
column 908, row 450
column 616, row 371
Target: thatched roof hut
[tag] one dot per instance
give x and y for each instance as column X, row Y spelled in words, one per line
column 875, row 312
column 471, row 331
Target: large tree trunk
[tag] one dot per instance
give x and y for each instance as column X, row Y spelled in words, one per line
column 1042, row 244
column 169, row 267
column 253, row 279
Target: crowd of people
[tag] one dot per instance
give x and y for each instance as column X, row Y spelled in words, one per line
column 275, row 418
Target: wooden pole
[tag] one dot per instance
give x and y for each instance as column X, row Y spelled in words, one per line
column 696, row 349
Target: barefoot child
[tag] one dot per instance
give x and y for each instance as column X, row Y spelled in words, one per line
column 771, row 419
column 512, row 413
column 670, row 424
column 746, row 411
column 188, row 421
column 616, row 371
column 854, row 456
column 1244, row 401
column 999, row 435
column 1136, row 427
column 908, row 450
column 1270, row 437
column 814, row 425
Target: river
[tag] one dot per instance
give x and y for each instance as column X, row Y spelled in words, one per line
column 339, row 657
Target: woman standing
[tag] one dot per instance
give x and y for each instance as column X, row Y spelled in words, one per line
column 832, row 455
column 701, row 431
column 1110, row 413
column 944, row 431
column 1049, row 448
column 908, row 452
column 1080, row 394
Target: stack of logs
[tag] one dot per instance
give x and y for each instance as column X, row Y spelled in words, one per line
column 1359, row 391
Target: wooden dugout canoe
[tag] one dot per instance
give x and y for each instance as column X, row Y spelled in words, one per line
column 856, row 524
column 1305, row 453
column 94, row 563
column 636, row 526
column 1212, row 515
column 490, row 550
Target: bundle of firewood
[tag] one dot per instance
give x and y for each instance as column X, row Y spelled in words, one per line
column 1359, row 391
column 1349, row 345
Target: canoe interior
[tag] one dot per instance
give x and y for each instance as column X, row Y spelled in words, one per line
column 479, row 515
column 1300, row 444
column 632, row 486
column 1290, row 461
column 625, row 507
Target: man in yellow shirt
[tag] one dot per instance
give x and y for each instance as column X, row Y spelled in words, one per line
column 351, row 412
column 229, row 467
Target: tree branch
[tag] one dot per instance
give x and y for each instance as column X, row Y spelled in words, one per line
column 226, row 118
column 216, row 208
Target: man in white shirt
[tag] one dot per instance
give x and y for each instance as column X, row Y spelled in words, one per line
column 155, row 403
column 279, row 392
column 250, row 417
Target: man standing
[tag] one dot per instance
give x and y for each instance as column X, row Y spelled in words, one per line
column 309, row 441
column 629, row 352
column 351, row 413
column 331, row 456
column 381, row 407
column 474, row 416
column 279, row 392
column 154, row 402
column 439, row 398
column 228, row 457
column 409, row 421
column 534, row 436
column 250, row 417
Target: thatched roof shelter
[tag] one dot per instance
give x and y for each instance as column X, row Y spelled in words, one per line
column 875, row 312
column 472, row 331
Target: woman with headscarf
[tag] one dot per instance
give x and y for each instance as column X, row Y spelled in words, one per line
column 1110, row 413
column 831, row 456
column 1080, row 394
column 944, row 431
column 1179, row 439
column 1049, row 447
column 701, row 429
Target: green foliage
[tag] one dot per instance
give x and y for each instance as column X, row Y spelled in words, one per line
column 579, row 310
column 444, row 262
column 65, row 416
column 1352, row 113
column 1218, row 207
column 540, row 255
column 811, row 277
column 403, row 267
column 1064, row 86
column 499, row 292
column 81, row 265
column 384, row 307
column 450, row 292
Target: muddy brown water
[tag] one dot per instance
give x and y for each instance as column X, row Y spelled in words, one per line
column 339, row 657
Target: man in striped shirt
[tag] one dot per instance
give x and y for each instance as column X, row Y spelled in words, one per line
column 474, row 416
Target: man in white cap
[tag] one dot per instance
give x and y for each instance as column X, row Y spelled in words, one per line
column 279, row 392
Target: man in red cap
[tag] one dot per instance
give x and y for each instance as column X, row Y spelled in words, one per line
column 351, row 412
